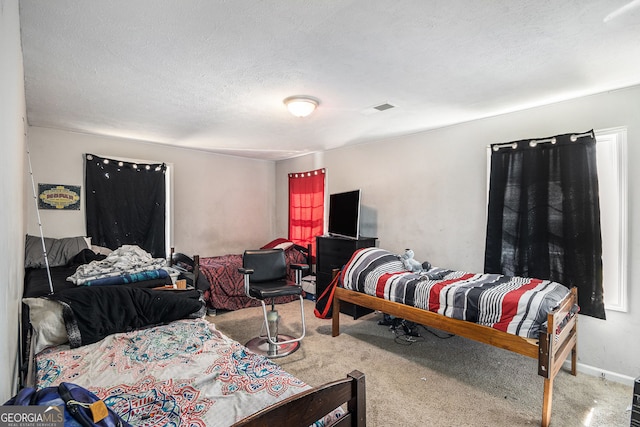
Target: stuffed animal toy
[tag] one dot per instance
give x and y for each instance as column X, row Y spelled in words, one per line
column 409, row 262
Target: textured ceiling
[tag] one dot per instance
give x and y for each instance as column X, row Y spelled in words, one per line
column 212, row 74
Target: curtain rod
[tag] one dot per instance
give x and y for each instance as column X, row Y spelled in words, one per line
column 302, row 174
column 534, row 142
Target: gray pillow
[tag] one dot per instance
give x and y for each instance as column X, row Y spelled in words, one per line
column 59, row 251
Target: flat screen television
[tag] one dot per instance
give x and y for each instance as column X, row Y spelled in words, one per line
column 344, row 214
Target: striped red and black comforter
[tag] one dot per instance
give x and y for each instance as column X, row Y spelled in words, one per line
column 516, row 305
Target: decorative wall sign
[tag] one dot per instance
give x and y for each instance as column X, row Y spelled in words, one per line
column 61, row 197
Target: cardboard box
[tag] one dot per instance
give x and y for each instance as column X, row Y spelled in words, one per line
column 309, row 284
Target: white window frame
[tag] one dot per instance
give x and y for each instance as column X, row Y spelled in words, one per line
column 611, row 154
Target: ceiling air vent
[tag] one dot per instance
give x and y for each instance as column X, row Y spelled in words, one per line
column 375, row 109
column 384, row 106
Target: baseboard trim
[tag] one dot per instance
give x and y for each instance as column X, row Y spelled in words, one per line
column 601, row 373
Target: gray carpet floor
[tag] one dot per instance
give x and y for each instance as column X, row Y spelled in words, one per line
column 438, row 380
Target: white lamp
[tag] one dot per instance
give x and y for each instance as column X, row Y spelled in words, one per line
column 301, row 106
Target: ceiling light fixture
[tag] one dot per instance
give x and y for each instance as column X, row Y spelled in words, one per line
column 301, row 106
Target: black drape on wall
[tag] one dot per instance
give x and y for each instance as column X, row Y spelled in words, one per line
column 125, row 204
column 544, row 215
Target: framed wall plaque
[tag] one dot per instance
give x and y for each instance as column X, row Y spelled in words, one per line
column 59, row 197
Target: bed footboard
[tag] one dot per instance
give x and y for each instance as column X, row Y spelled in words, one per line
column 306, row 408
column 554, row 347
column 560, row 338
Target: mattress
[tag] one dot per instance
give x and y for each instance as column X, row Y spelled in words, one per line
column 516, row 305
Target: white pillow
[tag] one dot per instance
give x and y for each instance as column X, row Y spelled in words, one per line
column 48, row 325
column 284, row 246
column 101, row 250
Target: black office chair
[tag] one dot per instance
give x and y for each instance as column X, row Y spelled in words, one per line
column 265, row 278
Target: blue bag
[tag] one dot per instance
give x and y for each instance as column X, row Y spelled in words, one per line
column 83, row 408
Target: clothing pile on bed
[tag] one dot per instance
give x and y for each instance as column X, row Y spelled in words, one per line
column 100, row 295
column 74, row 260
column 127, row 264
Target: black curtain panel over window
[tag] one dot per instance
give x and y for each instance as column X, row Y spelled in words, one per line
column 125, row 204
column 544, row 214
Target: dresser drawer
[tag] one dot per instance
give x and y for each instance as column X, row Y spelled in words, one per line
column 336, row 248
column 328, row 263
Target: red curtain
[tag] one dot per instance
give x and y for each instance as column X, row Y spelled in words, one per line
column 306, row 207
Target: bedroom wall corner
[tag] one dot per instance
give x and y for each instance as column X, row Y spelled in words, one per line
column 13, row 182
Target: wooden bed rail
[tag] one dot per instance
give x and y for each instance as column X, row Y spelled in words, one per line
column 305, row 408
column 458, row 327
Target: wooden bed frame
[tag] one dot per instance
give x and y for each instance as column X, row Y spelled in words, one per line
column 551, row 349
column 307, row 407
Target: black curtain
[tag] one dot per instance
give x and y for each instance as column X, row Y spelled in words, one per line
column 544, row 214
column 125, row 204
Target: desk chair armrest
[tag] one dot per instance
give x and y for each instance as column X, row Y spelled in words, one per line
column 299, row 271
column 246, row 272
column 303, row 267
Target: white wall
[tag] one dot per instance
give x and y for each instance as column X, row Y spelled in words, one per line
column 222, row 204
column 427, row 192
column 12, row 181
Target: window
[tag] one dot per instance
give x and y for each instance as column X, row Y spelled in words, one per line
column 611, row 146
column 306, row 207
column 128, row 202
column 611, row 156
